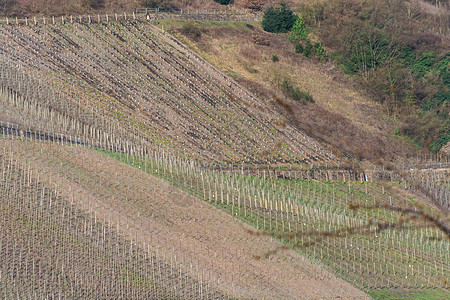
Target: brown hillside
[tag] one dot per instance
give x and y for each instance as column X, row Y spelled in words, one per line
column 342, row 115
column 134, row 75
column 178, row 228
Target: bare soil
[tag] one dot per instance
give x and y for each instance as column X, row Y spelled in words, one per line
column 209, row 243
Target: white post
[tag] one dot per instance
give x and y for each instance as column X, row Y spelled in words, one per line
column 26, row 21
column 43, row 18
column 125, row 16
column 98, row 17
column 7, row 22
column 17, row 21
column 134, row 16
column 62, row 19
column 71, row 19
column 89, row 18
column 35, row 22
column 53, row 18
column 107, row 18
column 116, row 16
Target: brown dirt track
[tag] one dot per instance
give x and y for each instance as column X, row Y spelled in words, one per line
column 209, row 243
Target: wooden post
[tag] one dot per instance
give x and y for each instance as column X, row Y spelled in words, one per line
column 98, row 18
column 35, row 22
column 26, row 21
column 71, row 19
column 53, row 18
column 115, row 16
column 80, row 19
column 125, row 16
column 43, row 19
column 7, row 22
column 17, row 21
column 62, row 19
column 107, row 18
column 134, row 16
column 89, row 19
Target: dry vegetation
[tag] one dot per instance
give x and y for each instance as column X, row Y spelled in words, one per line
column 375, row 235
column 342, row 115
column 107, row 190
column 189, row 236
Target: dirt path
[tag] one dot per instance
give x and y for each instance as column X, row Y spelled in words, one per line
column 210, row 244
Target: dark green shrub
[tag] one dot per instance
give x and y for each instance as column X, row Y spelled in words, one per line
column 308, row 49
column 367, row 48
column 320, row 52
column 424, row 64
column 223, row 2
column 275, row 58
column 279, row 19
column 191, row 30
column 299, row 48
column 442, row 141
column 295, row 93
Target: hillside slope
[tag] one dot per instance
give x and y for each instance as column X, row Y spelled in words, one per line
column 134, row 76
column 343, row 115
column 103, row 173
column 209, row 249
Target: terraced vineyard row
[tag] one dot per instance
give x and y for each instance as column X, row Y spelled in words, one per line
column 50, row 248
column 130, row 73
column 107, row 189
column 411, row 260
column 397, row 259
column 176, row 228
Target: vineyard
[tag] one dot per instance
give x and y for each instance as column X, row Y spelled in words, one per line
column 133, row 169
column 132, row 74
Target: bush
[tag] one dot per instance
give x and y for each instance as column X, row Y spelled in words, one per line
column 366, row 48
column 191, row 30
column 223, row 2
column 299, row 31
column 308, row 49
column 424, row 64
column 299, row 48
column 295, row 93
column 280, row 19
column 275, row 58
column 94, row 4
column 319, row 51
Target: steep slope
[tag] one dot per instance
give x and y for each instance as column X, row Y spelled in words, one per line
column 343, row 115
column 189, row 237
column 132, row 74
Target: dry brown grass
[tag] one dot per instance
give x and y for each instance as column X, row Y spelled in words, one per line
column 341, row 116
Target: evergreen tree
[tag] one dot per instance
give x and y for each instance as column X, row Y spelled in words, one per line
column 280, row 19
column 299, row 31
column 223, row 2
